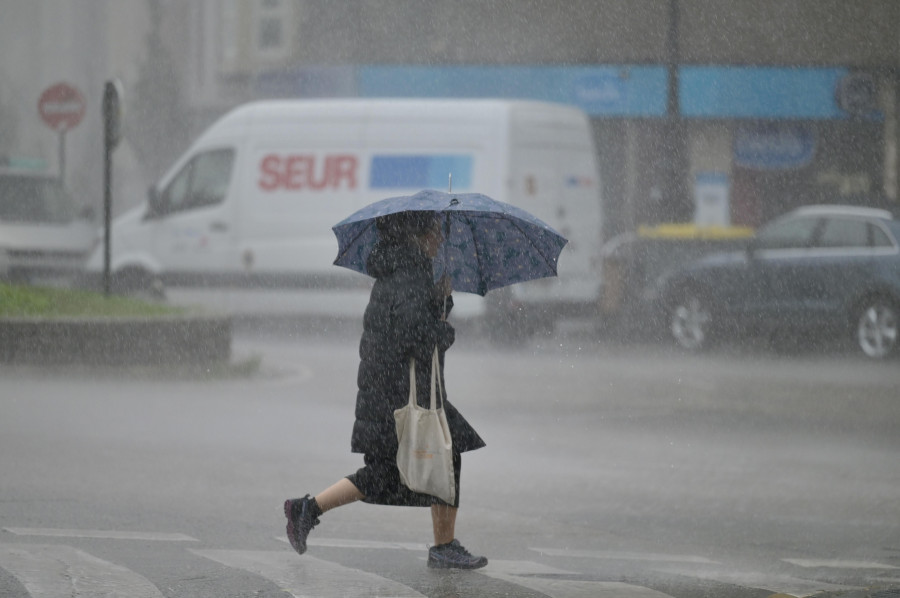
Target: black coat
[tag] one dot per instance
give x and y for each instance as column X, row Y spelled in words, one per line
column 402, row 320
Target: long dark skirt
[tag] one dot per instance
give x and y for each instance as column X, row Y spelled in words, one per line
column 380, row 482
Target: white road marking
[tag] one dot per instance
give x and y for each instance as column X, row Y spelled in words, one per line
column 102, row 534
column 625, row 556
column 349, row 543
column 777, row 584
column 523, row 573
column 838, row 564
column 344, row 543
column 58, row 570
column 703, row 568
column 310, row 577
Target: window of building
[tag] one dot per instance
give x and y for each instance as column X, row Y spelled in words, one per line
column 230, row 34
column 273, row 18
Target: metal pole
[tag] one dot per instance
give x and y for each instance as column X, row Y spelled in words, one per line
column 677, row 206
column 107, row 208
column 62, row 155
column 111, row 132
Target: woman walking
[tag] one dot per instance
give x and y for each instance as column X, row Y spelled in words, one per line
column 405, row 318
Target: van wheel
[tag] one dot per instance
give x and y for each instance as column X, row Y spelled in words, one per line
column 138, row 284
column 877, row 327
column 691, row 321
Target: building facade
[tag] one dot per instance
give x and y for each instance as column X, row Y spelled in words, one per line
column 714, row 111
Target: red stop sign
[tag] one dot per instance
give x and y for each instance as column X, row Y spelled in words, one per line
column 61, row 106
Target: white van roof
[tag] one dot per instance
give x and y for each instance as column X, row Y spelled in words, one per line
column 279, row 111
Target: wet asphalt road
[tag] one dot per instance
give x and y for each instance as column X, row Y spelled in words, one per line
column 611, row 470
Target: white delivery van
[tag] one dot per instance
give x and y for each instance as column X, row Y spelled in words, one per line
column 252, row 201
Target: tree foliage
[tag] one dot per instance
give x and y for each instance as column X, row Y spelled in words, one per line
column 157, row 123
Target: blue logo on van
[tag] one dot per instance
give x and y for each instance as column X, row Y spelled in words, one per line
column 421, row 172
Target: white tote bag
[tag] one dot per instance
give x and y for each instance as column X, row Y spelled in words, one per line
column 425, row 453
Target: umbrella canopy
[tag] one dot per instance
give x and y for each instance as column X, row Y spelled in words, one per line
column 488, row 244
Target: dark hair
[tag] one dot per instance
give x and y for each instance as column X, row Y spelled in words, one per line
column 404, row 225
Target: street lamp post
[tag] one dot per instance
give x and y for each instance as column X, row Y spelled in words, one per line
column 676, row 206
column 112, row 128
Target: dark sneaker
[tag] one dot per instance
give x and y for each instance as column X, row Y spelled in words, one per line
column 454, row 556
column 300, row 521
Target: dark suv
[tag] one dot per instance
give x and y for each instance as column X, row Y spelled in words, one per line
column 832, row 270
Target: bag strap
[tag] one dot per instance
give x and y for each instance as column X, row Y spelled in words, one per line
column 437, row 388
column 436, row 380
column 412, row 382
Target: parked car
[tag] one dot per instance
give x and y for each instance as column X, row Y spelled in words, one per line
column 634, row 261
column 44, row 234
column 832, row 270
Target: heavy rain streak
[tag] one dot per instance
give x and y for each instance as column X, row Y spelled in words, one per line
column 531, row 298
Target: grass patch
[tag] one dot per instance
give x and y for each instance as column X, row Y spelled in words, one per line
column 19, row 301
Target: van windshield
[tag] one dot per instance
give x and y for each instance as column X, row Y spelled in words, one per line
column 34, row 200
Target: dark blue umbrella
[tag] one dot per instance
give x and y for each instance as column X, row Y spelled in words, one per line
column 488, row 244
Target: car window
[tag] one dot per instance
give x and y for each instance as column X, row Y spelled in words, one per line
column 788, row 233
column 879, row 237
column 844, row 232
column 202, row 182
column 34, row 200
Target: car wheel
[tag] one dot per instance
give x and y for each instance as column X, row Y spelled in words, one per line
column 691, row 321
column 139, row 284
column 877, row 328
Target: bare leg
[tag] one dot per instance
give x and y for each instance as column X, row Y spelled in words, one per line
column 338, row 494
column 443, row 519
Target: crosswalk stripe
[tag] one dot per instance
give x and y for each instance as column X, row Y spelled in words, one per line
column 776, row 583
column 624, row 556
column 350, row 543
column 59, row 570
column 102, row 534
column 309, row 576
column 703, row 568
column 527, row 574
column 837, row 564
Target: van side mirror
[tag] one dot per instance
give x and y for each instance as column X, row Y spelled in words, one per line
column 154, row 203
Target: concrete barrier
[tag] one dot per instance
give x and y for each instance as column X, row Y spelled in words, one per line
column 168, row 340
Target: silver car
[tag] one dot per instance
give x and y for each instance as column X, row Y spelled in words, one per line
column 43, row 233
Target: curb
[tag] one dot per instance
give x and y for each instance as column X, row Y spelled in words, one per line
column 172, row 340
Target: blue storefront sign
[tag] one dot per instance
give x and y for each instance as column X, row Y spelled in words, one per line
column 602, row 91
column 636, row 91
column 774, row 146
column 760, row 92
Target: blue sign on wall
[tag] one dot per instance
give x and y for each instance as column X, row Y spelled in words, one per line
column 774, row 146
column 760, row 92
column 631, row 91
column 598, row 90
